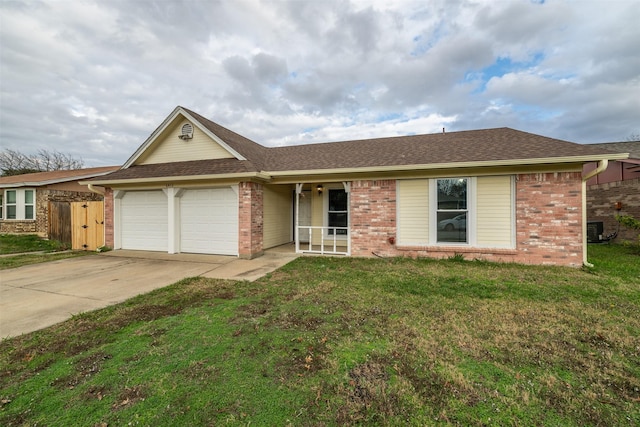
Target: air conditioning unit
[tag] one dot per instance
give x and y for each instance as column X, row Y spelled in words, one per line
column 595, row 229
column 186, row 132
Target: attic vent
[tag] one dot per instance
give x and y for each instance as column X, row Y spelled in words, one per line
column 186, row 132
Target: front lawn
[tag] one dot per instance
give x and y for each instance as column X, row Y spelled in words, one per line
column 346, row 341
column 31, row 249
column 20, row 243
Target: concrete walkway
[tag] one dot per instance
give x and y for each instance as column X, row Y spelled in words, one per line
column 40, row 295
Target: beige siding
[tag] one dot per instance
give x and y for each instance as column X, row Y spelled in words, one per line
column 413, row 212
column 277, row 211
column 170, row 148
column 494, row 212
column 317, row 215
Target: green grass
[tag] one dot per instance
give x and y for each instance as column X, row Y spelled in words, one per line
column 31, row 249
column 346, row 341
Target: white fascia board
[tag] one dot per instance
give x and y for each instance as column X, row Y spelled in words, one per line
column 213, row 136
column 165, row 124
column 151, row 138
column 255, row 175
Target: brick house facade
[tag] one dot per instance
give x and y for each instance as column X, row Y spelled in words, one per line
column 49, row 187
column 523, row 195
column 548, row 227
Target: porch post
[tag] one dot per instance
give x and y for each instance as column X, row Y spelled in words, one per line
column 296, row 233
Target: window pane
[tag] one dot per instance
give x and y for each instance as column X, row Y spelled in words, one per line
column 28, row 197
column 28, row 212
column 11, row 212
column 11, row 196
column 337, row 220
column 452, row 193
column 337, row 200
column 452, row 227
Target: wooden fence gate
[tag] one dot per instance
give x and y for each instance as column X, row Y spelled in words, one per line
column 60, row 222
column 87, row 225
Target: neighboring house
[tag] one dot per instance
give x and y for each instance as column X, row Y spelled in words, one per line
column 25, row 199
column 195, row 186
column 616, row 191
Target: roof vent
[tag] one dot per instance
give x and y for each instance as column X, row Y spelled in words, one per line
column 186, row 132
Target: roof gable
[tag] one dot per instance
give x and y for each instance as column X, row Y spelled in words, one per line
column 164, row 145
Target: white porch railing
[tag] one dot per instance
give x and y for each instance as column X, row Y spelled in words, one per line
column 327, row 243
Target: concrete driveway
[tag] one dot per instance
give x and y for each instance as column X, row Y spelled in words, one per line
column 40, row 295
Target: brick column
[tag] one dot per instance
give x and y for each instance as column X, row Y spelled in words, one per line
column 373, row 217
column 250, row 220
column 108, row 218
column 549, row 218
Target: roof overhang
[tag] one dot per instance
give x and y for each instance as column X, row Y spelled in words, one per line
column 267, row 176
column 52, row 181
column 259, row 176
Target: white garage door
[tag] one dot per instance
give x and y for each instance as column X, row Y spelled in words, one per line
column 209, row 221
column 144, row 220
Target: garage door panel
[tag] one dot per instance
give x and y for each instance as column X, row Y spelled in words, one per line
column 144, row 220
column 209, row 221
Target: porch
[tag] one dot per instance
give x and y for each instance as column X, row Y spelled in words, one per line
column 321, row 220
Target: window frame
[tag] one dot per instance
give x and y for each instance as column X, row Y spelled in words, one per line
column 470, row 212
column 327, row 212
column 20, row 204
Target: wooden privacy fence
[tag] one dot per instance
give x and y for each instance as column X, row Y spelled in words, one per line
column 87, row 225
column 60, row 222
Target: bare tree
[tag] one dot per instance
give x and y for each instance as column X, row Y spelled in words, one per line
column 13, row 162
column 633, row 137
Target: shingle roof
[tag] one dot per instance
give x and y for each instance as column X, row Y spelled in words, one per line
column 53, row 177
column 454, row 147
column 190, row 168
column 631, row 147
column 249, row 149
column 474, row 146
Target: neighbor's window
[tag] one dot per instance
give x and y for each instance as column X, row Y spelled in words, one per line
column 1, row 205
column 11, row 204
column 338, row 212
column 452, row 210
column 20, row 204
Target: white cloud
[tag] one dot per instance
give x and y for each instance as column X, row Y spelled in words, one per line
column 96, row 78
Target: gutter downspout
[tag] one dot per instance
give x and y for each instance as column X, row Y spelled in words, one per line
column 602, row 165
column 95, row 190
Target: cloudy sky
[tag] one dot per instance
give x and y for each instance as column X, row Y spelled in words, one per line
column 94, row 79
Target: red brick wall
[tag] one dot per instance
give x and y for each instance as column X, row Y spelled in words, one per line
column 549, row 218
column 373, row 217
column 548, row 223
column 108, row 218
column 250, row 220
column 601, row 199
